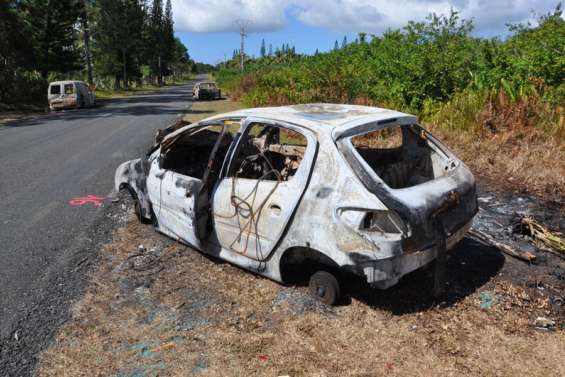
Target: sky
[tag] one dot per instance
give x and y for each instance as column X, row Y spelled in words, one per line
column 209, row 27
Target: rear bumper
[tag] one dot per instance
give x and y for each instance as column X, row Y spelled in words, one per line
column 384, row 273
column 62, row 104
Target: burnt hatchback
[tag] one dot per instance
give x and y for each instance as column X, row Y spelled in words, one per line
column 316, row 188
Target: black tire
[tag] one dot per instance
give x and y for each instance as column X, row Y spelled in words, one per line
column 324, row 287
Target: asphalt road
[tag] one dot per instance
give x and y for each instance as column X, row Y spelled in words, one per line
column 45, row 163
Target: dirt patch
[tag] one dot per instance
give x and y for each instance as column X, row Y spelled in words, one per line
column 168, row 310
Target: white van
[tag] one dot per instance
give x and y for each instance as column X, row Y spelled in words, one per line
column 70, row 94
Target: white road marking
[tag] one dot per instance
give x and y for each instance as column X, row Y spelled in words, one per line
column 106, row 115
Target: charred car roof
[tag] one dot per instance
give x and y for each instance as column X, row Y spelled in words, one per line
column 335, row 119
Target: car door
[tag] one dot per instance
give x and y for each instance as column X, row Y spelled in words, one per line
column 179, row 189
column 251, row 214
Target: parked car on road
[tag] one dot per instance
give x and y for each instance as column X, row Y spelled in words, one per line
column 316, row 189
column 70, row 94
column 206, row 90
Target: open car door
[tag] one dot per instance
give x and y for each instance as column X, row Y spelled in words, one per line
column 264, row 183
column 180, row 181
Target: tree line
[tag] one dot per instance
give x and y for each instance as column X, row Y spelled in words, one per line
column 109, row 43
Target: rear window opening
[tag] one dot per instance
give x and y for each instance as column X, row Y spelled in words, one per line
column 401, row 156
column 69, row 88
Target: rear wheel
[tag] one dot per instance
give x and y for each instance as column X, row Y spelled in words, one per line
column 324, row 287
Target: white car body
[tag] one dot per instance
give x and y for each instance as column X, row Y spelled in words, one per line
column 334, row 210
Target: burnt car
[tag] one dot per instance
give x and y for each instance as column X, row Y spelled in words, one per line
column 317, row 189
column 206, row 90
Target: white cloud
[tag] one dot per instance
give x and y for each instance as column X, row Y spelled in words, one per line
column 372, row 16
column 220, row 15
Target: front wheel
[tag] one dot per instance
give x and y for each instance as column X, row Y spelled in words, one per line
column 324, row 287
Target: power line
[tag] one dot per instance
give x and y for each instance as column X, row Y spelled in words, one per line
column 243, row 25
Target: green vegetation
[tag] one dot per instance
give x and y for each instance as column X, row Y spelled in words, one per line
column 113, row 45
column 435, row 69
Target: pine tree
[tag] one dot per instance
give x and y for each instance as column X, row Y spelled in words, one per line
column 156, row 39
column 344, row 42
column 181, row 63
column 118, row 36
column 263, row 49
column 16, row 53
column 168, row 37
column 336, row 45
column 85, row 23
column 50, row 27
column 270, row 49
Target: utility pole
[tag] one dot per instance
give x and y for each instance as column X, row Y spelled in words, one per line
column 243, row 25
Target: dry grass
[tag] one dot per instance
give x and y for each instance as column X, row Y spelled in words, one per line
column 204, row 109
column 188, row 315
column 513, row 160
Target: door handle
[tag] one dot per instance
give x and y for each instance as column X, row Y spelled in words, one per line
column 275, row 209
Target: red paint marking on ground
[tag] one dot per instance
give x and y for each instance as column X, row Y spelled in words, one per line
column 89, row 199
column 263, row 357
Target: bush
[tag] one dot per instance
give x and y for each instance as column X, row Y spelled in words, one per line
column 22, row 89
column 435, row 69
